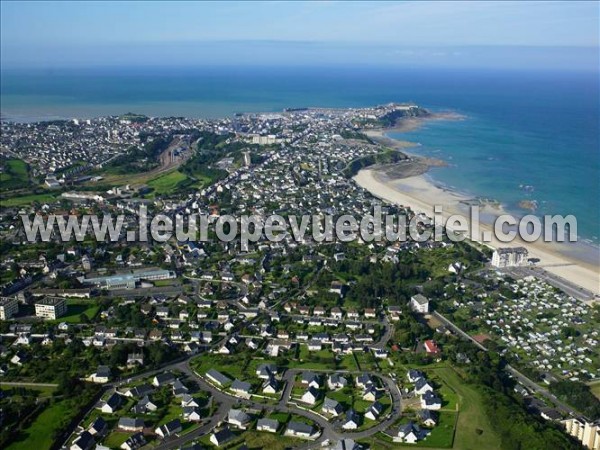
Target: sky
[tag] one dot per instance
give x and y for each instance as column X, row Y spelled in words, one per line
column 445, row 33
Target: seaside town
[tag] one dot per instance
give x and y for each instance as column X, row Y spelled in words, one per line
column 288, row 343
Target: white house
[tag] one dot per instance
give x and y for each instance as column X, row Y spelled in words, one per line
column 311, row 396
column 269, row 425
column 431, row 401
column 335, row 381
column 352, row 420
column 111, row 404
column 374, row 411
column 422, row 386
column 169, row 428
column 102, row 375
column 311, row 379
column 191, row 414
column 414, row 375
column 270, row 386
column 238, row 418
column 187, row 400
column 409, row 433
column 419, row 303
column 217, row 377
column 221, row 437
column 332, row 407
column 299, row 429
column 241, row 387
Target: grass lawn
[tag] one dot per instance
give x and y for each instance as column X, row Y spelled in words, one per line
column 26, row 200
column 347, row 362
column 283, row 418
column 321, row 360
column 595, row 388
column 366, row 360
column 77, row 307
column 173, row 412
column 260, row 440
column 188, row 427
column 17, row 167
column 162, row 283
column 39, row 434
column 32, row 391
column 167, row 183
column 351, row 397
column 447, row 393
column 15, row 175
column 443, row 434
column 115, row 439
column 474, row 430
column 230, row 365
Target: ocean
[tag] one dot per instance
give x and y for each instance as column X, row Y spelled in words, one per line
column 525, row 135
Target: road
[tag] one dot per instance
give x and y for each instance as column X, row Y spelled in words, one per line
column 112, row 386
column 386, row 336
column 532, row 386
column 527, row 382
column 564, row 285
column 329, row 431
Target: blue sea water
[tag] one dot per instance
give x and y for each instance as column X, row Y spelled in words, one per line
column 537, row 129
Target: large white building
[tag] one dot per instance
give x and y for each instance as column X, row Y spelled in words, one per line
column 585, row 432
column 510, row 257
column 8, row 307
column 128, row 280
column 51, row 308
column 419, row 303
column 264, row 140
column 247, row 159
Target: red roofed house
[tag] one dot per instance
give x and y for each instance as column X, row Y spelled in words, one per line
column 431, row 347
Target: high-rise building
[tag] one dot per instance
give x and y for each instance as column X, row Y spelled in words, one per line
column 510, row 257
column 585, row 432
column 247, row 159
column 86, row 262
column 51, row 308
column 8, row 307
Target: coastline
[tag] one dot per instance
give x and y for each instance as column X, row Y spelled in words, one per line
column 410, row 186
column 421, row 195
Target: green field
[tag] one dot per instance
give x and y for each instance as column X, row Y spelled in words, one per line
column 35, row 391
column 595, row 388
column 442, row 434
column 39, row 434
column 366, row 361
column 26, row 200
column 77, row 307
column 320, row 360
column 15, row 175
column 256, row 440
column 230, row 365
column 167, row 183
column 473, row 431
column 115, row 439
column 162, row 283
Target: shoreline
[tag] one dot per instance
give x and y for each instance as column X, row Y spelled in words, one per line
column 407, row 183
column 421, row 194
column 578, row 261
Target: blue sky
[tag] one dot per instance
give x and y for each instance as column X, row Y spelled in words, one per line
column 411, row 33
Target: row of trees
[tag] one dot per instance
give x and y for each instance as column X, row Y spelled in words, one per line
column 518, row 429
column 579, row 395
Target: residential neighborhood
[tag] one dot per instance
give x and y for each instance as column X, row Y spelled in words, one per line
column 287, row 343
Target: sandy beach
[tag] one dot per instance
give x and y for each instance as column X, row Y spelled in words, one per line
column 421, row 194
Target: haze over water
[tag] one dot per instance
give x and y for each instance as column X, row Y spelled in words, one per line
column 537, row 128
